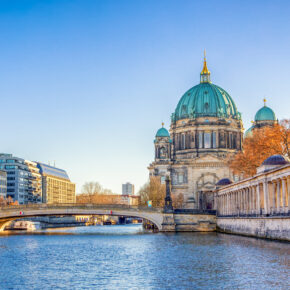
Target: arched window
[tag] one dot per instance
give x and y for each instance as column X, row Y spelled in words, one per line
column 162, row 152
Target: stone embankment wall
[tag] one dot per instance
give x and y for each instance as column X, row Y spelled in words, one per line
column 261, row 227
column 194, row 223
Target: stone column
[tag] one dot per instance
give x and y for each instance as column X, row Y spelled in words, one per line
column 244, row 201
column 236, row 202
column 278, row 197
column 284, row 195
column 232, row 203
column 273, row 204
column 258, row 211
column 241, row 201
column 254, row 195
column 247, row 200
column 250, row 200
column 288, row 193
column 227, row 195
column 266, row 197
column 229, row 202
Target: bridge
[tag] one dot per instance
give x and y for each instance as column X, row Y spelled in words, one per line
column 157, row 216
column 164, row 220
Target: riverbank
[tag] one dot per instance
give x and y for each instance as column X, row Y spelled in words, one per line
column 275, row 228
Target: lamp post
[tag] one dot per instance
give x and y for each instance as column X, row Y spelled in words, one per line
column 168, row 200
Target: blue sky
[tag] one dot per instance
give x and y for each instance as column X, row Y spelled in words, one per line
column 87, row 83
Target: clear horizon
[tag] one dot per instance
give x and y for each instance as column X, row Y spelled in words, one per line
column 86, row 84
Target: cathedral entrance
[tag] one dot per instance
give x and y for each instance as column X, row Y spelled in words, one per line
column 206, row 200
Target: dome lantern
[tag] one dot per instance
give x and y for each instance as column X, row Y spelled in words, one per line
column 205, row 73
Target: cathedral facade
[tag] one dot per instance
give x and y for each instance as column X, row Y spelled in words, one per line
column 206, row 130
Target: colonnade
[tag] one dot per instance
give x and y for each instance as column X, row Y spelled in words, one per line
column 261, row 196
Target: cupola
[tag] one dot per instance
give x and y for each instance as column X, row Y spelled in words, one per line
column 265, row 114
column 162, row 132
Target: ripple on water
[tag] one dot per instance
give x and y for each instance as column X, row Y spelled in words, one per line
column 121, row 257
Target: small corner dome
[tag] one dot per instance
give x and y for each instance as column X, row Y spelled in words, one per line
column 275, row 160
column 249, row 132
column 162, row 132
column 224, row 181
column 265, row 114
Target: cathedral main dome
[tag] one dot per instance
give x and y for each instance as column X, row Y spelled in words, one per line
column 205, row 99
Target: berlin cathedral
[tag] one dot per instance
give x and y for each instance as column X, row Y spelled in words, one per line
column 206, row 130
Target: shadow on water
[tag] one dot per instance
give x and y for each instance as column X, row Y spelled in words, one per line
column 89, row 230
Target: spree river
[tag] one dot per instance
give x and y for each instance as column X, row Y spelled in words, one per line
column 121, row 257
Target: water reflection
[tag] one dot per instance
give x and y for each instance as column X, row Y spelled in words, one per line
column 127, row 257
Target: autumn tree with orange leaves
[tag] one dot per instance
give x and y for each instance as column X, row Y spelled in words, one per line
column 155, row 191
column 264, row 142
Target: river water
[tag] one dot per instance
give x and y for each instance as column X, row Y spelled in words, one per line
column 121, row 257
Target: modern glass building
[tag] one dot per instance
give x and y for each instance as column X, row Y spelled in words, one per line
column 3, row 184
column 23, row 179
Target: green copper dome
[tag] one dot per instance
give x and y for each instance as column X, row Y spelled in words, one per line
column 249, row 132
column 205, row 99
column 265, row 114
column 162, row 132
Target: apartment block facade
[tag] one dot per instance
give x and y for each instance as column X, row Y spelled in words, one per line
column 56, row 185
column 23, row 179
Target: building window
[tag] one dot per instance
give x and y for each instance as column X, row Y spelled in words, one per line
column 183, row 141
column 207, row 140
column 213, row 139
column 200, row 140
column 234, row 141
column 180, row 178
column 162, row 179
column 9, row 167
column 10, row 161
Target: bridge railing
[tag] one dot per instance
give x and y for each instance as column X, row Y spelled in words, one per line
column 79, row 205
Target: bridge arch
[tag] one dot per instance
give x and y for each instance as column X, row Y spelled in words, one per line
column 17, row 212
